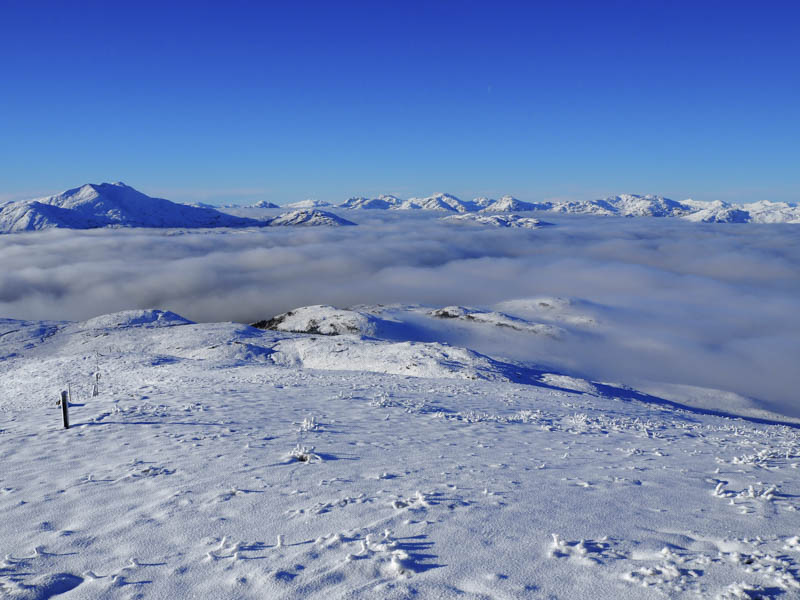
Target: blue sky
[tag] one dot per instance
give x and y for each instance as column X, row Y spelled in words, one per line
column 240, row 101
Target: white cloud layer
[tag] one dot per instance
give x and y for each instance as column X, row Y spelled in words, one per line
column 709, row 305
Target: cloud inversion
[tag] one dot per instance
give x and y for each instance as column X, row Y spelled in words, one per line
column 709, row 305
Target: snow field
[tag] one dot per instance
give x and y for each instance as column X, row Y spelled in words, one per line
column 183, row 477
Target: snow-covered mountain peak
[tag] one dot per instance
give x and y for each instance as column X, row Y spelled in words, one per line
column 263, row 204
column 108, row 192
column 509, row 204
column 384, row 201
column 308, row 217
column 765, row 211
column 649, row 205
column 438, row 201
column 497, row 220
column 719, row 212
column 94, row 205
column 444, row 196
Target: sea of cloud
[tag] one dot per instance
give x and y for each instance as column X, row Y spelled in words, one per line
column 711, row 305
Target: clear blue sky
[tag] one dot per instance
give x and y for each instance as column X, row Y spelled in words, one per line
column 237, row 101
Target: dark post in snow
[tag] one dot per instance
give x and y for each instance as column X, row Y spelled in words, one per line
column 65, row 409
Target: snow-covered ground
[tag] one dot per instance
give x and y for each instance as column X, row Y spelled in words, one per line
column 225, row 461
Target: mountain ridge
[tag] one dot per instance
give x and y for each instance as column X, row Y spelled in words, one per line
column 623, row 205
column 93, row 206
column 116, row 204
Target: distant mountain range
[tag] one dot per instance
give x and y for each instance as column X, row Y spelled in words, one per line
column 118, row 205
column 259, row 204
column 625, row 205
column 93, row 206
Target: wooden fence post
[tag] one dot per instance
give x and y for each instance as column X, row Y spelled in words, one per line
column 65, row 409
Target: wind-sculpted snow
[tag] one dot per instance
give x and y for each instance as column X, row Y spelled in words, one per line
column 643, row 299
column 218, row 460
